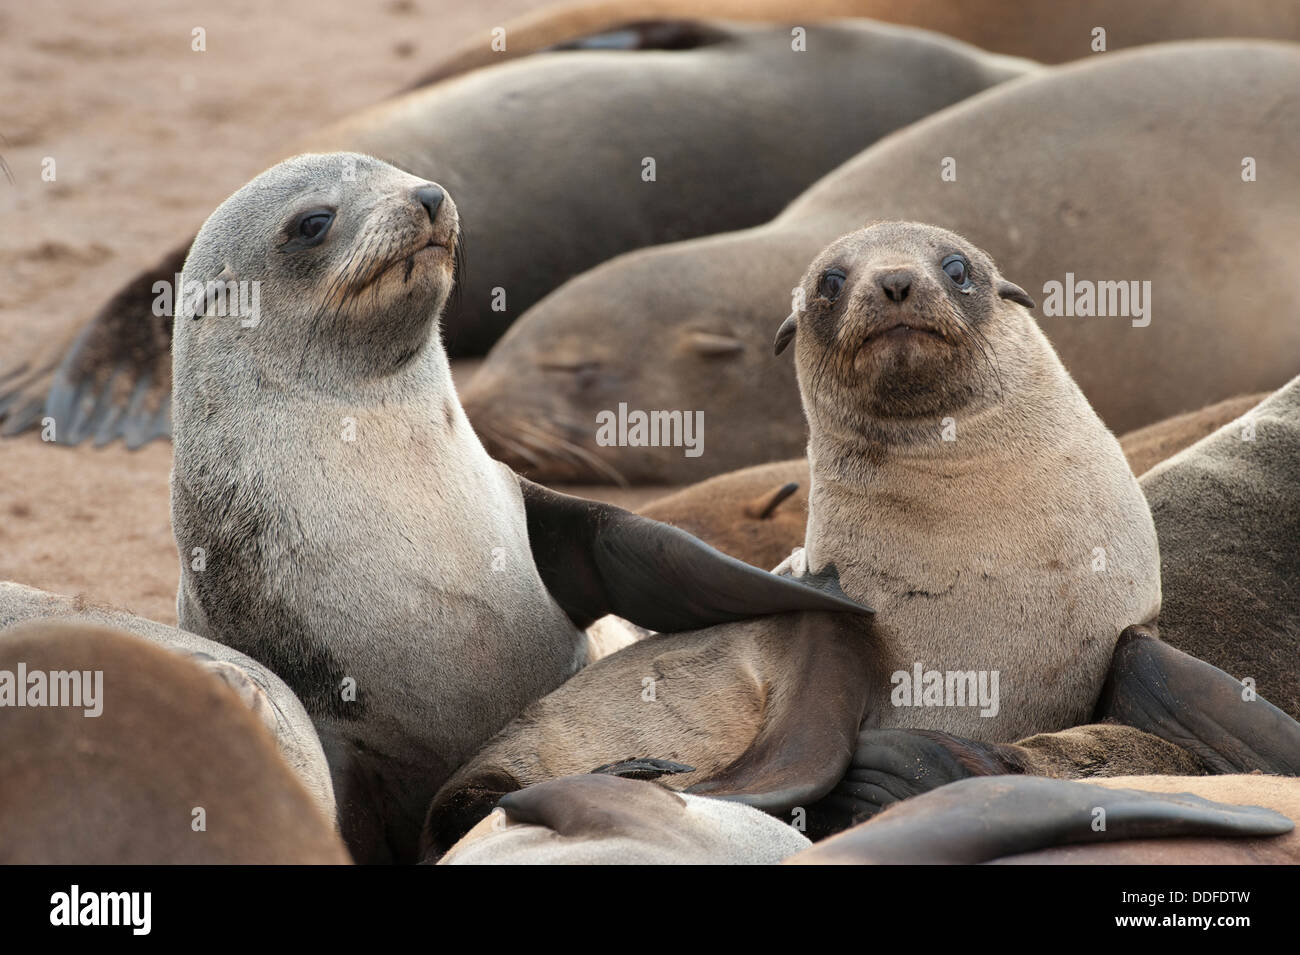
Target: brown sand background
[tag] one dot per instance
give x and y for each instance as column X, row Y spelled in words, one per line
column 149, row 137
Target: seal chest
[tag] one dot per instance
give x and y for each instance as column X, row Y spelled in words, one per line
column 963, row 487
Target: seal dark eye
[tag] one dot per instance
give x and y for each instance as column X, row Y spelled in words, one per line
column 831, row 284
column 308, row 229
column 957, row 268
column 314, row 225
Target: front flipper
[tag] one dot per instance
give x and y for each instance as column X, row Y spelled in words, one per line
column 1197, row 706
column 596, row 559
column 980, row 820
column 828, row 670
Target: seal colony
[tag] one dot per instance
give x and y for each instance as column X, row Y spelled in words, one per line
column 941, row 537
column 354, row 536
column 728, row 91
column 982, row 628
column 1023, row 190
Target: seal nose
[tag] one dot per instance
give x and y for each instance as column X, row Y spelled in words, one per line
column 896, row 284
column 430, row 197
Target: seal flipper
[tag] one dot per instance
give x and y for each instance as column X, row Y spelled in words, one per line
column 980, row 820
column 115, row 380
column 596, row 559
column 810, row 719
column 1167, row 693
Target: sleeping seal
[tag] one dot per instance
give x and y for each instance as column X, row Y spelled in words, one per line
column 1166, row 131
column 587, row 122
column 338, row 520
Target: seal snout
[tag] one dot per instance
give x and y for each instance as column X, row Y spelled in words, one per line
column 895, row 283
column 430, row 196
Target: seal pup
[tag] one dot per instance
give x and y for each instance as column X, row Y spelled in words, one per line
column 979, row 553
column 599, row 819
column 265, row 694
column 1042, row 29
column 1181, row 177
column 1225, row 512
column 590, row 119
column 173, row 768
column 355, row 536
column 1023, row 820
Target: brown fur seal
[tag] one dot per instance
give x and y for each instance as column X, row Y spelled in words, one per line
column 980, row 552
column 1147, row 447
column 264, row 692
column 355, row 536
column 1043, row 29
column 174, row 768
column 758, row 514
column 1225, row 511
column 1025, row 191
column 599, row 819
column 1129, row 820
column 587, row 121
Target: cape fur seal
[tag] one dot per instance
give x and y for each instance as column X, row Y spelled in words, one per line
column 1043, row 29
column 590, row 119
column 759, row 513
column 355, row 536
column 609, row 820
column 1166, row 130
column 174, row 768
column 264, row 692
column 1225, row 512
column 979, row 553
column 1128, row 820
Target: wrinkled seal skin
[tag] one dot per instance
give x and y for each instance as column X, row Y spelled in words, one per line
column 1046, row 30
column 1163, row 129
column 122, row 787
column 544, row 157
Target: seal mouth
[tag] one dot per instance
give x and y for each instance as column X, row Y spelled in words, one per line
column 904, row 328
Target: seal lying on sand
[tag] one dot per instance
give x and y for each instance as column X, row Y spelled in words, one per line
column 585, row 123
column 1165, row 130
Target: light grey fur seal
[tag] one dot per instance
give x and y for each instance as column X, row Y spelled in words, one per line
column 264, row 692
column 1165, row 133
column 597, row 819
column 338, row 519
column 165, row 765
column 982, row 553
column 700, row 103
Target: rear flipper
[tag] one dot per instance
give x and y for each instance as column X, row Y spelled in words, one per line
column 1198, row 707
column 981, row 820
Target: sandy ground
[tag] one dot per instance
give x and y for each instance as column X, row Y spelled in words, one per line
column 147, row 137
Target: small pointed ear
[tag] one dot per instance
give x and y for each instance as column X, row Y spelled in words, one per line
column 1015, row 293
column 785, row 334
column 204, row 304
